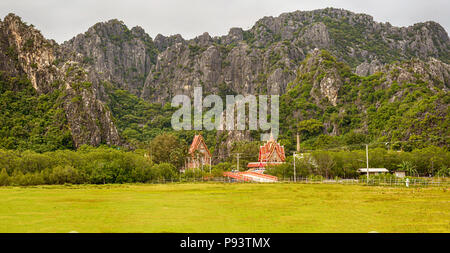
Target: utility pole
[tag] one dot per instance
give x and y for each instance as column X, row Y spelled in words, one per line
column 295, row 176
column 367, row 161
column 298, row 151
column 237, row 161
column 203, row 161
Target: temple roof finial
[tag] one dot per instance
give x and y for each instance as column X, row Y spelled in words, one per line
column 271, row 137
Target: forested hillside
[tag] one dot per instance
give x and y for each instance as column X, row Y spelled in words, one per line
column 404, row 106
column 31, row 121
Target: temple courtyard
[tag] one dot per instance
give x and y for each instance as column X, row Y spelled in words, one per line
column 221, row 207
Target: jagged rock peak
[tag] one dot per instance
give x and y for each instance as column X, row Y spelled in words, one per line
column 88, row 119
column 235, row 34
column 204, row 39
column 138, row 31
column 35, row 54
column 116, row 54
column 114, row 29
column 162, row 42
column 351, row 36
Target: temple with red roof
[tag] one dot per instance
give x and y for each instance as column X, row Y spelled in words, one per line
column 199, row 154
column 271, row 153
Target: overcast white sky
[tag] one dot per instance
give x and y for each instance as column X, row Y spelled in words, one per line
column 61, row 19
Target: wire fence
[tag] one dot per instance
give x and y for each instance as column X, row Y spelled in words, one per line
column 389, row 182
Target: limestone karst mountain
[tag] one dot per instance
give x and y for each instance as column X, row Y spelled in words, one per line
column 110, row 79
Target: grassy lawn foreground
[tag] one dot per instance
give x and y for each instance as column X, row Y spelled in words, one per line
column 223, row 208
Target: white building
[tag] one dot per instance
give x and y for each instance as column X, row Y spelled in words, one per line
column 400, row 174
column 373, row 171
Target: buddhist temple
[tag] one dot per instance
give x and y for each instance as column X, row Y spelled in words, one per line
column 271, row 153
column 199, row 155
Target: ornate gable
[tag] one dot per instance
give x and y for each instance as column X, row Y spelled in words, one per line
column 271, row 152
column 198, row 144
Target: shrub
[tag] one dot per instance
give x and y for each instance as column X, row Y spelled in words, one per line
column 165, row 171
column 65, row 174
column 4, row 177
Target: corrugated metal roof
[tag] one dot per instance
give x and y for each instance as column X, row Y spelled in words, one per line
column 373, row 170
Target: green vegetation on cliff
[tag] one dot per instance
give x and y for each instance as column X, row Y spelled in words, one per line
column 29, row 120
column 405, row 115
column 140, row 121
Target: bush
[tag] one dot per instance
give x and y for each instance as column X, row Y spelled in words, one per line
column 217, row 172
column 142, row 174
column 4, row 177
column 443, row 172
column 194, row 174
column 226, row 166
column 165, row 171
column 315, row 178
column 379, row 177
column 33, row 179
column 66, row 174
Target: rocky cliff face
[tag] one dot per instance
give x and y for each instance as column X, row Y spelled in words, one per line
column 326, row 79
column 89, row 120
column 217, row 68
column 433, row 72
column 114, row 53
column 262, row 60
column 29, row 53
column 356, row 35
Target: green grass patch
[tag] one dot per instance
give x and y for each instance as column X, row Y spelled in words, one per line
column 230, row 208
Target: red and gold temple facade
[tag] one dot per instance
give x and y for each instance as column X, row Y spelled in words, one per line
column 199, row 155
column 272, row 153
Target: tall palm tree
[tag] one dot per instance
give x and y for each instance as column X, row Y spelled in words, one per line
column 443, row 172
column 408, row 167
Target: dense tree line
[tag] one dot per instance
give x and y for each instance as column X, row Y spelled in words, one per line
column 102, row 165
column 430, row 161
column 86, row 165
column 105, row 165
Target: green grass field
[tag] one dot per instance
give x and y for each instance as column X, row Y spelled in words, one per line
column 213, row 207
